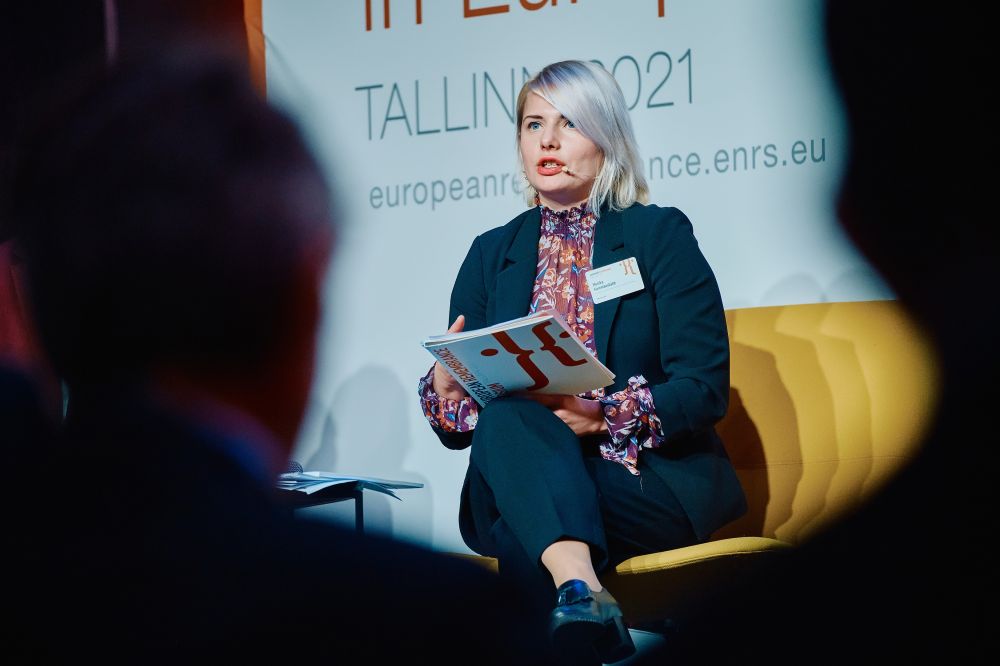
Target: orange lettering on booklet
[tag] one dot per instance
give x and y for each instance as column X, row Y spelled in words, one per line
column 549, row 345
column 523, row 360
column 523, row 356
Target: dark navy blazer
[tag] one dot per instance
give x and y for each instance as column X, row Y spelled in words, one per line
column 673, row 332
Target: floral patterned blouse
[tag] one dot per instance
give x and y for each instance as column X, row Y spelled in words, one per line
column 564, row 257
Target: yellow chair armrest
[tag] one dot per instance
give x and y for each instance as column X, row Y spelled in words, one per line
column 648, row 587
column 652, row 588
column 679, row 557
column 488, row 563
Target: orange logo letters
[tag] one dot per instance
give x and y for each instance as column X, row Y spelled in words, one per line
column 470, row 11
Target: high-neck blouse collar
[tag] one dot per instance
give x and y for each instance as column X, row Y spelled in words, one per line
column 571, row 221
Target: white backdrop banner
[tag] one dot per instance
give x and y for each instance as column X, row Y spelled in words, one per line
column 409, row 106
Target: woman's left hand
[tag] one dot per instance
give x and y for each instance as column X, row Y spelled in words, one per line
column 584, row 417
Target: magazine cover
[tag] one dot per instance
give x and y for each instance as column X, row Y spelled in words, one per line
column 534, row 353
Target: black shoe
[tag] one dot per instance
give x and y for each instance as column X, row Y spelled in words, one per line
column 587, row 625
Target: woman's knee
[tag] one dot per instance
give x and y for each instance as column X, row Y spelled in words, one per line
column 505, row 424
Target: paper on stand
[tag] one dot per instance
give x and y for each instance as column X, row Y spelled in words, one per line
column 313, row 481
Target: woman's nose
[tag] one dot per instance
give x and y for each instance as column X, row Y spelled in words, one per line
column 549, row 138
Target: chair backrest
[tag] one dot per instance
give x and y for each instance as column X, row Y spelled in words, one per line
column 827, row 400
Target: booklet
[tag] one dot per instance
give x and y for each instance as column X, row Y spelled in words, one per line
column 314, row 481
column 538, row 353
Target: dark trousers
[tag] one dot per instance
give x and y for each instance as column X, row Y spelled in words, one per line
column 532, row 482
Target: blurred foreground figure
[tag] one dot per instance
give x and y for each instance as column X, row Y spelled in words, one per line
column 176, row 232
column 910, row 578
column 40, row 43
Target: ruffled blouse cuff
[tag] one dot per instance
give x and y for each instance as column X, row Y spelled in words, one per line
column 443, row 413
column 631, row 416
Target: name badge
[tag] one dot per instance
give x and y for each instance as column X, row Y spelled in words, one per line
column 614, row 280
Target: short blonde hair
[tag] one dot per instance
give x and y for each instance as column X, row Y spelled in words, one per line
column 588, row 96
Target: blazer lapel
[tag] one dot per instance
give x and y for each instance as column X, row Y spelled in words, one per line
column 609, row 247
column 516, row 280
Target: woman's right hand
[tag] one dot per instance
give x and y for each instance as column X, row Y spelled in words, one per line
column 444, row 384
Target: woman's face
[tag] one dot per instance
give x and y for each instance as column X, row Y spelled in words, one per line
column 559, row 161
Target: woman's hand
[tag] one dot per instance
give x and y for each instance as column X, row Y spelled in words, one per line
column 444, row 384
column 584, row 417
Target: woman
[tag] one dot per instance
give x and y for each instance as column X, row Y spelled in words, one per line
column 560, row 488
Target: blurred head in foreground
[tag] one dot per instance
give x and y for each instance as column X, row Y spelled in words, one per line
column 176, row 231
column 904, row 578
column 920, row 160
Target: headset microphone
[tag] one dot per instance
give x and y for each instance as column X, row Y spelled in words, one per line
column 565, row 170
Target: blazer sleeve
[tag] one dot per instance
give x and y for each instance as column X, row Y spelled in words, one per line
column 468, row 297
column 694, row 341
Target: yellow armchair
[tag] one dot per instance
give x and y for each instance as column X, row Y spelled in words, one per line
column 827, row 400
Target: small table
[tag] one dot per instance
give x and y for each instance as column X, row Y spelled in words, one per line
column 348, row 488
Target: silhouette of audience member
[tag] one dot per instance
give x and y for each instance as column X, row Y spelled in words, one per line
column 40, row 43
column 176, row 232
column 909, row 578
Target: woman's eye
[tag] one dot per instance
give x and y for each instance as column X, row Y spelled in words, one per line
column 534, row 124
column 570, row 124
